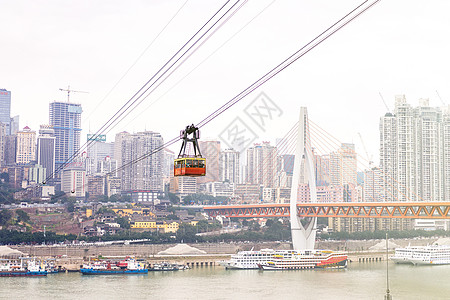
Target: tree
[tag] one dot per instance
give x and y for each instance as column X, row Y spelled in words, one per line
column 70, row 207
column 123, row 222
column 4, row 177
column 174, row 199
column 5, row 216
column 22, row 216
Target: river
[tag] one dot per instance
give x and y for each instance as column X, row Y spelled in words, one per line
column 359, row 281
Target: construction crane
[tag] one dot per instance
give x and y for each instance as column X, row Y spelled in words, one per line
column 68, row 90
column 369, row 158
column 439, row 96
column 387, row 107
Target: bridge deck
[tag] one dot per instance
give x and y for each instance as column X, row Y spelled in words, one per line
column 401, row 210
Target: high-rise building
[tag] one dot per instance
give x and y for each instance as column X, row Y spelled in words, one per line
column 65, row 118
column 5, row 109
column 107, row 166
column 45, row 150
column 14, row 125
column 2, row 144
column 262, row 165
column 342, row 166
column 26, row 146
column 373, row 187
column 229, row 166
column 9, row 158
column 169, row 157
column 322, row 169
column 118, row 146
column 142, row 173
column 211, row 151
column 183, row 185
column 97, row 151
column 414, row 152
column 74, row 182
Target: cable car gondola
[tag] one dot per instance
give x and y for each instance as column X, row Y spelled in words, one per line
column 186, row 165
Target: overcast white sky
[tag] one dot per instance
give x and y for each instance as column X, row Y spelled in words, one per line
column 397, row 47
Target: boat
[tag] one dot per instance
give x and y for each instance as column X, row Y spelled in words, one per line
column 23, row 267
column 305, row 259
column 248, row 259
column 165, row 266
column 50, row 266
column 110, row 268
column 422, row 255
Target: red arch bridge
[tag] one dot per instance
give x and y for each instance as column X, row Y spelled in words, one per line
column 401, row 210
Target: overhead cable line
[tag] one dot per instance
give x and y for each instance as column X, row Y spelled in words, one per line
column 137, row 59
column 353, row 14
column 145, row 87
column 360, row 9
column 349, row 17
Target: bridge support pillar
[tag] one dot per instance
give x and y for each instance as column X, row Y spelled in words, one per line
column 303, row 235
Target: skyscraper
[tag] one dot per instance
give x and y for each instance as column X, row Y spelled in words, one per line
column 262, row 165
column 2, row 144
column 229, row 166
column 26, row 146
column 45, row 151
column 342, row 166
column 97, row 151
column 211, row 151
column 65, row 118
column 138, row 173
column 414, row 152
column 5, row 109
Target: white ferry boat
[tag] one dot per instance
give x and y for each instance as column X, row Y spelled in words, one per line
column 248, row 259
column 305, row 259
column 422, row 255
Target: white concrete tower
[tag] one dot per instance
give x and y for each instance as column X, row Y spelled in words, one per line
column 303, row 236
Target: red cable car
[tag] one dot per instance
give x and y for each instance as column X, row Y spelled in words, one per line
column 186, row 165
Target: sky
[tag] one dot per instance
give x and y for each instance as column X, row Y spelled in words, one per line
column 109, row 49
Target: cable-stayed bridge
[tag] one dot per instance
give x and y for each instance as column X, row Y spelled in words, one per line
column 336, row 194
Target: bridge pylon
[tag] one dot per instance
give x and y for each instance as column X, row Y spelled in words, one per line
column 303, row 235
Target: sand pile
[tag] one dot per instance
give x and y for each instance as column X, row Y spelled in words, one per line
column 442, row 241
column 182, row 249
column 5, row 251
column 382, row 246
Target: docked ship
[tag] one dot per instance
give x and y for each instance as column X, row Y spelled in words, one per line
column 165, row 266
column 422, row 255
column 130, row 266
column 248, row 259
column 23, row 267
column 305, row 259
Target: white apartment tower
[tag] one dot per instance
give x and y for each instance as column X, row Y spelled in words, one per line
column 262, row 165
column 26, row 146
column 45, row 150
column 414, row 152
column 229, row 166
column 140, row 170
column 342, row 165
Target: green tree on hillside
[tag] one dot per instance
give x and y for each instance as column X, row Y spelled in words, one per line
column 5, row 216
column 22, row 216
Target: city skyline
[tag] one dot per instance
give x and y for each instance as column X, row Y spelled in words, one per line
column 364, row 59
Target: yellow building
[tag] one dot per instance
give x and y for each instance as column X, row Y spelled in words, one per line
column 126, row 212
column 88, row 212
column 154, row 225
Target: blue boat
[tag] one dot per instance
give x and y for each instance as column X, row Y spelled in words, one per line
column 24, row 268
column 130, row 266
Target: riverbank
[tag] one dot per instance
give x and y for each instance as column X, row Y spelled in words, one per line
column 72, row 256
column 149, row 250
